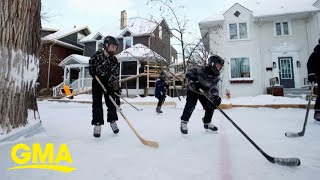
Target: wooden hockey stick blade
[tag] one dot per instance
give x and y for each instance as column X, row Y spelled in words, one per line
column 143, row 141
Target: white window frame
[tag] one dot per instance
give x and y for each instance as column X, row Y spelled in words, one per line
column 238, row 32
column 281, row 24
column 97, row 43
column 240, row 79
column 124, row 41
column 160, row 32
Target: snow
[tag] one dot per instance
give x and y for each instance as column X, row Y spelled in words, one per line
column 135, row 26
column 139, row 52
column 199, row 155
column 261, row 8
column 79, row 58
column 61, row 33
column 26, row 73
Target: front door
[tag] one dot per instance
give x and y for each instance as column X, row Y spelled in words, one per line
column 286, row 72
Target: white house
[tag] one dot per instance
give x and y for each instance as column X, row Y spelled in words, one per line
column 261, row 39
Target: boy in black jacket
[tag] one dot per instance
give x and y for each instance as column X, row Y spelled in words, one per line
column 105, row 65
column 314, row 76
column 207, row 79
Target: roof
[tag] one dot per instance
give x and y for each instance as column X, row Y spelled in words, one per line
column 64, row 44
column 262, row 8
column 65, row 32
column 136, row 26
column 74, row 58
column 139, row 52
column 49, row 29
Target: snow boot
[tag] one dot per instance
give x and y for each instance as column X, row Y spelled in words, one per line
column 158, row 110
column 317, row 116
column 114, row 127
column 183, row 127
column 97, row 130
column 211, row 127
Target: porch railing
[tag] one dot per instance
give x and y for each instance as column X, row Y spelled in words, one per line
column 80, row 84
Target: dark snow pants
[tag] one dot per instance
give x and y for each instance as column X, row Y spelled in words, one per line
column 191, row 103
column 97, row 110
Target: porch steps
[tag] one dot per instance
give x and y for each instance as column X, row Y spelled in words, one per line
column 296, row 92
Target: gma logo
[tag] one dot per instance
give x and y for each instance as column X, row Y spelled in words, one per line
column 34, row 158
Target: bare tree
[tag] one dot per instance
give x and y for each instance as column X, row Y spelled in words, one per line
column 20, row 24
column 177, row 21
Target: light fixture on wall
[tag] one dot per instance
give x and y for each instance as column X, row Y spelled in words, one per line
column 274, row 65
column 298, row 64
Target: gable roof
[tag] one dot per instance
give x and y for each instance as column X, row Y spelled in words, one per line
column 139, row 52
column 75, row 58
column 65, row 32
column 136, row 26
column 263, row 8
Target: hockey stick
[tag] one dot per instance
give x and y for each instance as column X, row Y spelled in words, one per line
column 143, row 141
column 279, row 161
column 299, row 134
column 128, row 102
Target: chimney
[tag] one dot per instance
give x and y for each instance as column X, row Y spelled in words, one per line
column 123, row 20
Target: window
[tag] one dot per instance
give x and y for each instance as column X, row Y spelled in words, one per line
column 80, row 36
column 99, row 45
column 129, row 68
column 237, row 13
column 160, row 32
column 282, row 28
column 240, row 68
column 127, row 42
column 238, row 31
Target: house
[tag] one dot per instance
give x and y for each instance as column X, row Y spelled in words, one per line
column 262, row 39
column 142, row 43
column 56, row 46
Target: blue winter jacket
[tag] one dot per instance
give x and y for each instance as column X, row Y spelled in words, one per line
column 160, row 88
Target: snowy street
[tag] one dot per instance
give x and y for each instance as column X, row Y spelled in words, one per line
column 199, row 155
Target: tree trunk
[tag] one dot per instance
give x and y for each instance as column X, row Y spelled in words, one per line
column 20, row 24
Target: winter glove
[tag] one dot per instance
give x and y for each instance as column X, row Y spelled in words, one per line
column 312, row 77
column 193, row 86
column 216, row 100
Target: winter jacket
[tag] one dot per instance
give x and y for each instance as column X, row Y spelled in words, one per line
column 106, row 68
column 160, row 90
column 206, row 79
column 313, row 64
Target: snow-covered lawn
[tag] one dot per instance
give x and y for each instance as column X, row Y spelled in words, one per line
column 199, row 155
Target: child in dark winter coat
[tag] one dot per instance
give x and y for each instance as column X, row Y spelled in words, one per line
column 206, row 79
column 160, row 91
column 314, row 76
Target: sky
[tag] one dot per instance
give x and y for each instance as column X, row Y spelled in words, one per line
column 97, row 13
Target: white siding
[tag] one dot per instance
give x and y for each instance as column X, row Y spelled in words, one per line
column 263, row 48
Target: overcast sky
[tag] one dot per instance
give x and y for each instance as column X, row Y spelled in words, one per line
column 97, row 13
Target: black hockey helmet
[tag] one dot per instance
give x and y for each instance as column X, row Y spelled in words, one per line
column 213, row 61
column 162, row 75
column 110, row 40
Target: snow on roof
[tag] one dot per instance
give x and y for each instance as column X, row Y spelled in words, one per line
column 63, row 32
column 136, row 27
column 139, row 52
column 216, row 17
column 75, row 57
column 261, row 8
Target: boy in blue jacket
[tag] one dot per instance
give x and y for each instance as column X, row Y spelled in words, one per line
column 160, row 91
